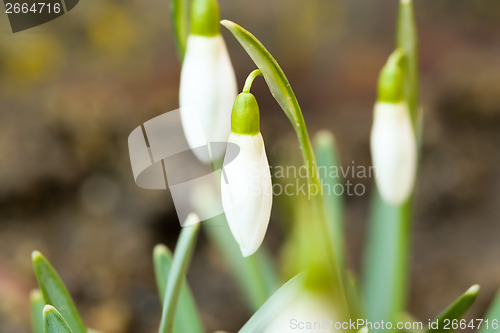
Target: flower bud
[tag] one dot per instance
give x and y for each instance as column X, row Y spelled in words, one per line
column 246, row 179
column 393, row 143
column 208, row 83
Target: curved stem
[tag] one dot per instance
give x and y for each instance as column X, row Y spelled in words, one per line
column 249, row 80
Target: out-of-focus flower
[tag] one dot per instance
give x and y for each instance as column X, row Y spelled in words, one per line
column 393, row 143
column 208, row 84
column 246, row 180
column 304, row 311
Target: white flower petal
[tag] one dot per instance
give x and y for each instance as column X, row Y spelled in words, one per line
column 394, row 151
column 207, row 92
column 246, row 189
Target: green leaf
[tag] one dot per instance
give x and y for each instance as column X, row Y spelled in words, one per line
column 36, row 310
column 355, row 305
column 386, row 261
column 255, row 275
column 328, row 158
column 55, row 293
column 180, row 10
column 282, row 91
column 493, row 314
column 162, row 261
column 457, row 309
column 407, row 40
column 273, row 74
column 54, row 322
column 180, row 263
column 187, row 318
column 274, row 305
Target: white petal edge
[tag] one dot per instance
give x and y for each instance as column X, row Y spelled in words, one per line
column 246, row 189
column 207, row 93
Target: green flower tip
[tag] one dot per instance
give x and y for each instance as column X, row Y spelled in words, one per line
column 205, row 18
column 245, row 117
column 391, row 80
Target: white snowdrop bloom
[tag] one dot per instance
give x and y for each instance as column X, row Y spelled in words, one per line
column 208, row 83
column 393, row 142
column 246, row 185
column 394, row 151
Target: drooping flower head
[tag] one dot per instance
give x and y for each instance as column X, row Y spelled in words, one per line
column 393, row 143
column 208, row 84
column 246, row 185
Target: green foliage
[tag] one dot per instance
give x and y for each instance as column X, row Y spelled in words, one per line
column 53, row 321
column 493, row 314
column 37, row 304
column 55, row 293
column 327, row 154
column 180, row 263
column 187, row 318
column 456, row 310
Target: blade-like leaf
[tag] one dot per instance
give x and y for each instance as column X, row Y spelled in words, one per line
column 180, row 263
column 180, row 24
column 162, row 261
column 493, row 314
column 187, row 318
column 406, row 39
column 456, row 310
column 54, row 322
column 273, row 74
column 55, row 293
column 386, row 261
column 274, row 305
column 328, row 158
column 36, row 310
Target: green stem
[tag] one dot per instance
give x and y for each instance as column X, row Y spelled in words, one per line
column 249, row 80
column 407, row 40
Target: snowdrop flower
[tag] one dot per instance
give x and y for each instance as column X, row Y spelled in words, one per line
column 246, row 186
column 393, row 143
column 208, row 84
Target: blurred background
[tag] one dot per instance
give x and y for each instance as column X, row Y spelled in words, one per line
column 73, row 89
